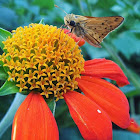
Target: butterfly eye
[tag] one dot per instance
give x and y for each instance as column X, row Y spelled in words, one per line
column 72, row 23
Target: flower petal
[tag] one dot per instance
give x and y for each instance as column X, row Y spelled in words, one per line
column 107, row 96
column 34, row 120
column 92, row 121
column 134, row 127
column 103, row 68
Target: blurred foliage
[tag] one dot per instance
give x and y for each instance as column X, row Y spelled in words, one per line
column 122, row 46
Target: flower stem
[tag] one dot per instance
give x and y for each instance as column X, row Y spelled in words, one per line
column 118, row 60
column 8, row 118
column 132, row 106
column 79, row 3
column 89, row 8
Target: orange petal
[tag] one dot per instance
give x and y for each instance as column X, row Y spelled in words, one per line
column 107, row 96
column 81, row 41
column 134, row 127
column 34, row 120
column 92, row 121
column 103, row 68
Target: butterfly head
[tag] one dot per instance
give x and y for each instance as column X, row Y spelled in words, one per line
column 70, row 20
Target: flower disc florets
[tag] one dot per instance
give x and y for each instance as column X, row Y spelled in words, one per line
column 43, row 58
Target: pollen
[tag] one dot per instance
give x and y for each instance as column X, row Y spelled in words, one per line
column 43, row 58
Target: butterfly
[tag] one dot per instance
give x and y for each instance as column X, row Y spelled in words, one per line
column 92, row 29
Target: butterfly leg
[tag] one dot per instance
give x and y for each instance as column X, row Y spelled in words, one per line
column 62, row 26
column 81, row 37
column 70, row 31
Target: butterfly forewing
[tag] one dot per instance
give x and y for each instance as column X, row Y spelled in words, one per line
column 99, row 27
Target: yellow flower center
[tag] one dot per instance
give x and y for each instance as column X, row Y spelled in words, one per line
column 43, row 58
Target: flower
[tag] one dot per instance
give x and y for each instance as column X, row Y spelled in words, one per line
column 43, row 60
column 102, row 103
column 35, row 108
column 42, row 57
column 134, row 127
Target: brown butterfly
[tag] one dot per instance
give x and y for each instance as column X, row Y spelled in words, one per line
column 92, row 29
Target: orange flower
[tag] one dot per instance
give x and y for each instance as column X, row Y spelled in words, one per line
column 43, row 58
column 102, row 102
column 34, row 120
column 103, row 68
column 134, row 127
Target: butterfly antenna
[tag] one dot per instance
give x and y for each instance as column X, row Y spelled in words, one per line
column 61, row 9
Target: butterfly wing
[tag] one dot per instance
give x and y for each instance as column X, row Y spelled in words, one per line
column 91, row 40
column 96, row 28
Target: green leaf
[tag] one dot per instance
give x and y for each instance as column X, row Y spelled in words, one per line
column 106, row 4
column 132, row 93
column 9, row 116
column 42, row 21
column 3, row 36
column 9, row 87
column 49, row 4
column 52, row 105
column 8, row 15
column 1, row 63
column 129, row 43
column 3, row 74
